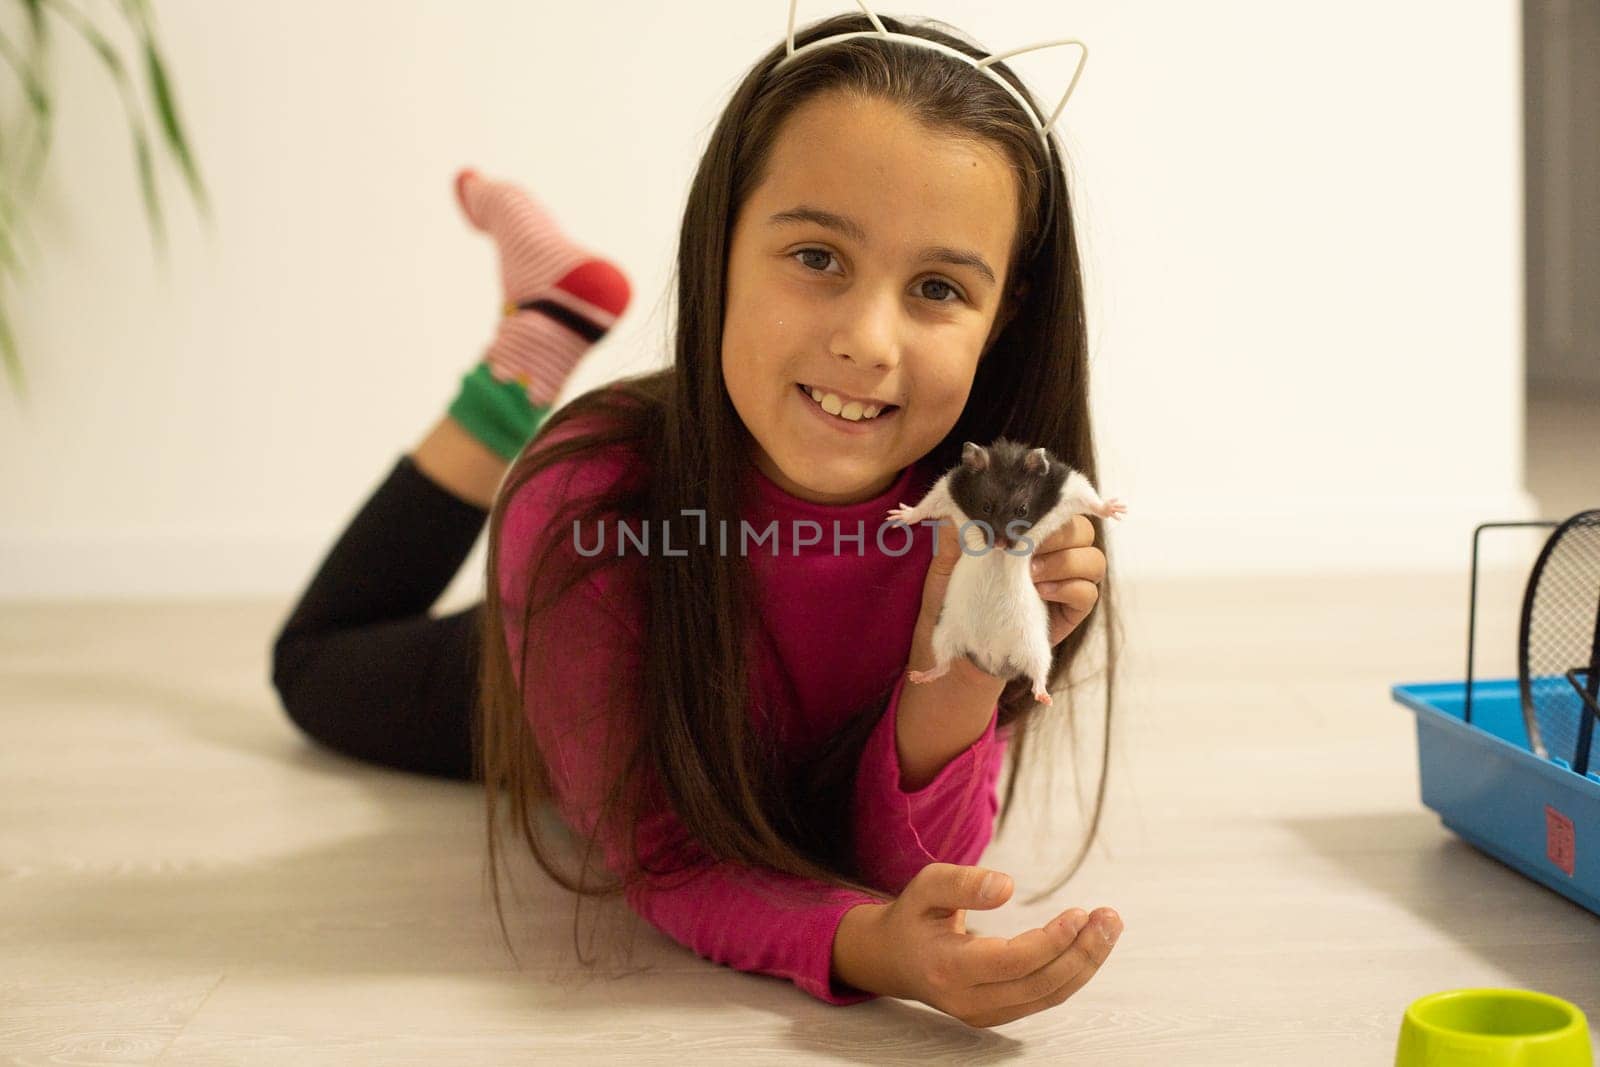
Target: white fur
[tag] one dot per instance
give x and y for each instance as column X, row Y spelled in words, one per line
column 992, row 610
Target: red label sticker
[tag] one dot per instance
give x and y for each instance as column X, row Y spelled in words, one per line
column 1559, row 841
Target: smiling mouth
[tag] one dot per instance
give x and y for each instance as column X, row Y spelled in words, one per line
column 845, row 411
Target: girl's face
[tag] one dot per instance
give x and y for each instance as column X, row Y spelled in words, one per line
column 869, row 263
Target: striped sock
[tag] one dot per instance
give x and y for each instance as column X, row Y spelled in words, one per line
column 558, row 300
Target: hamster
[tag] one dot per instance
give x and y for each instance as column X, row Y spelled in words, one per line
column 1014, row 497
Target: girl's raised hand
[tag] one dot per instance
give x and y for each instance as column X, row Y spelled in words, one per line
column 1067, row 571
column 985, row 981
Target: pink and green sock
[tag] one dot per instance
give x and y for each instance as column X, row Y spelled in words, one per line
column 558, row 300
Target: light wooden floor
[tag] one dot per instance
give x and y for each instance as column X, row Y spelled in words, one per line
column 184, row 879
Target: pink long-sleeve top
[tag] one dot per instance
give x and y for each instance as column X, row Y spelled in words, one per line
column 837, row 629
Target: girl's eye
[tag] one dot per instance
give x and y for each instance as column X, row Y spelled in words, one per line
column 947, row 285
column 934, row 281
column 815, row 252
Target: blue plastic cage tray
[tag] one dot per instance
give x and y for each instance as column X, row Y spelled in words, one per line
column 1487, row 785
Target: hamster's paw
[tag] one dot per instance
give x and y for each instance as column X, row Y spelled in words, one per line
column 927, row 676
column 1114, row 509
column 1042, row 697
column 903, row 514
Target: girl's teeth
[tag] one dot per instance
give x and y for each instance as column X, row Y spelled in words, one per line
column 854, row 411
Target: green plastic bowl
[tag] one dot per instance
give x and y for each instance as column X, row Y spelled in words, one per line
column 1493, row 1028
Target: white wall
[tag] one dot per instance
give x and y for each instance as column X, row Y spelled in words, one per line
column 1302, row 236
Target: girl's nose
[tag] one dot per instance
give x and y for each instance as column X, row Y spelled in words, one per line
column 869, row 335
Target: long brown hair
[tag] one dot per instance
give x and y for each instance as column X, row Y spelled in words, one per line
column 688, row 704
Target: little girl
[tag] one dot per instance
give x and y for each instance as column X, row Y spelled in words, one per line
column 697, row 627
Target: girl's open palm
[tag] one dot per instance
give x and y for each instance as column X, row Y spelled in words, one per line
column 985, row 981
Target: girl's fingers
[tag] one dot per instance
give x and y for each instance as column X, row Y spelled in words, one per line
column 1080, row 594
column 1075, row 533
column 1068, row 563
column 988, row 960
column 1069, row 607
column 1051, row 984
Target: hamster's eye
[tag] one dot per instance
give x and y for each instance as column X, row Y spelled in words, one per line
column 1022, row 509
column 988, row 509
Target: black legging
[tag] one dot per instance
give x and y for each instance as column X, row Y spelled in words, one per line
column 360, row 665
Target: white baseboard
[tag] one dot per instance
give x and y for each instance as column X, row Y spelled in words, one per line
column 1275, row 535
column 180, row 565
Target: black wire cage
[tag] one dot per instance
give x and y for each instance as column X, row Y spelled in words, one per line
column 1558, row 641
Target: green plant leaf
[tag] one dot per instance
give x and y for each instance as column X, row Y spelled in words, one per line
column 147, row 184
column 38, row 99
column 39, row 60
column 8, row 352
column 30, row 72
column 141, row 143
column 36, row 23
column 9, row 260
column 33, row 71
column 170, row 124
column 142, row 19
column 11, row 192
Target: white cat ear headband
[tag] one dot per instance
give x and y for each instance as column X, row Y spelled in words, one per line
column 982, row 65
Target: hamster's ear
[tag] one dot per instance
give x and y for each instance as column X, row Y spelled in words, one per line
column 974, row 456
column 1037, row 462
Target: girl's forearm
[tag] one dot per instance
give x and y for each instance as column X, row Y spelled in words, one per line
column 938, row 720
